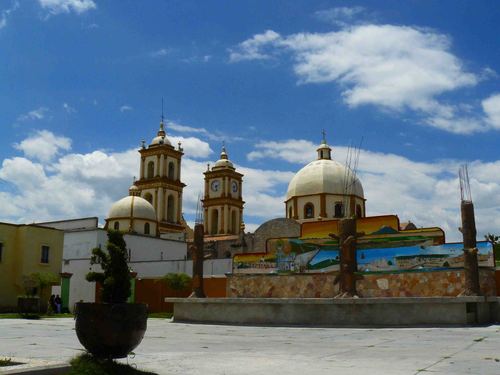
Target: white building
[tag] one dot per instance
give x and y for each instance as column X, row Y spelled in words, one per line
column 149, row 256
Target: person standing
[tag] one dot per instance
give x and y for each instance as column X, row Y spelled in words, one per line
column 58, row 303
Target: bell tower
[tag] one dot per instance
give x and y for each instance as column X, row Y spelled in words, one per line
column 160, row 180
column 222, row 202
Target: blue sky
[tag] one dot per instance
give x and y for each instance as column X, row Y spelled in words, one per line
column 81, row 83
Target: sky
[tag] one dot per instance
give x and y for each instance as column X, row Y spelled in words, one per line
column 414, row 84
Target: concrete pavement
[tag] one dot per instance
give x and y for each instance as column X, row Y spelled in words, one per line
column 175, row 348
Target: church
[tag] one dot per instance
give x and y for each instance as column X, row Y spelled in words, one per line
column 323, row 189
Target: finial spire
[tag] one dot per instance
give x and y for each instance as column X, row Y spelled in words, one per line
column 324, row 136
column 161, row 132
column 223, row 154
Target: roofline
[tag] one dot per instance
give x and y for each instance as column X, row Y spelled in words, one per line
column 69, row 220
column 34, row 225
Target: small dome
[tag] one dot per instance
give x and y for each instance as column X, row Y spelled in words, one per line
column 132, row 206
column 134, row 190
column 160, row 140
column 161, row 137
column 324, row 176
column 224, row 161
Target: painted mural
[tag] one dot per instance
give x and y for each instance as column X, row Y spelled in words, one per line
column 297, row 255
column 376, row 230
column 381, row 247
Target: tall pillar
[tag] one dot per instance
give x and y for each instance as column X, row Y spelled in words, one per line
column 161, row 203
column 348, row 263
column 157, row 165
column 142, row 167
column 162, row 166
column 179, row 207
column 197, row 254
column 322, row 205
column 221, row 220
column 471, row 269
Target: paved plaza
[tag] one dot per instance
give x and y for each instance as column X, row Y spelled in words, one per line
column 174, row 348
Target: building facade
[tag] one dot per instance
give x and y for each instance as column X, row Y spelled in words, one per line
column 24, row 251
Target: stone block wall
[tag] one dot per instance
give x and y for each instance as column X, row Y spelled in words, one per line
column 448, row 283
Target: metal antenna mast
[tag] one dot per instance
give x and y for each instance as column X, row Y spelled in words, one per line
column 465, row 191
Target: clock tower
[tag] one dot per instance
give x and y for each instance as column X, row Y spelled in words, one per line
column 160, row 181
column 222, row 202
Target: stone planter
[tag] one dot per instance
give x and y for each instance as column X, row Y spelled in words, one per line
column 110, row 330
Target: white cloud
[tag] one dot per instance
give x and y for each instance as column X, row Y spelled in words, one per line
column 160, row 53
column 340, row 16
column 202, row 132
column 253, row 48
column 43, row 145
column 491, row 107
column 194, row 147
column 396, row 68
column 36, row 114
column 5, row 14
column 66, row 6
column 68, row 108
column 291, row 150
column 125, row 108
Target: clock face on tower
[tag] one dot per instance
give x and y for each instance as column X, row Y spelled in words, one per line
column 215, row 185
column 234, row 186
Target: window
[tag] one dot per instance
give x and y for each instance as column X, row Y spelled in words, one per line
column 45, row 254
column 359, row 212
column 116, row 225
column 309, row 211
column 234, row 229
column 148, row 197
column 171, row 170
column 339, row 210
column 290, row 212
column 215, row 222
column 1, row 251
column 170, row 208
column 151, row 169
column 146, row 228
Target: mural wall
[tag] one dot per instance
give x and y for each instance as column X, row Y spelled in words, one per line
column 381, row 248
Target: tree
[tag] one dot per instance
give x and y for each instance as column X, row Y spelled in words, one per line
column 44, row 280
column 178, row 282
column 115, row 278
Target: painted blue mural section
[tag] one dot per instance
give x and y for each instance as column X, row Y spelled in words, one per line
column 402, row 258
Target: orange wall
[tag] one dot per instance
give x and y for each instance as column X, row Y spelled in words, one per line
column 153, row 292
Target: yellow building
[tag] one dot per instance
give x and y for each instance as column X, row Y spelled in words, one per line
column 25, row 250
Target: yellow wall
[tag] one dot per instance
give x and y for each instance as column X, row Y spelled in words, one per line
column 21, row 256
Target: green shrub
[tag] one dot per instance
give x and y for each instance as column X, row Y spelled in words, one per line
column 177, row 281
column 115, row 278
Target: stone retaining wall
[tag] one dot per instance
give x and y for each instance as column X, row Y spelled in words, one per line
column 448, row 283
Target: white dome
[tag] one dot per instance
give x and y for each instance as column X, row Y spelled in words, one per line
column 324, row 176
column 223, row 163
column 160, row 140
column 132, row 206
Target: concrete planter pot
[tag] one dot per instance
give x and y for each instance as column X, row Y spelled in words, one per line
column 110, row 330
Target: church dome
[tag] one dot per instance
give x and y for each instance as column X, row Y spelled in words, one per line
column 132, row 207
column 161, row 137
column 324, row 176
column 224, row 161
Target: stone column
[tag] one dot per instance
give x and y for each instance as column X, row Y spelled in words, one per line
column 221, row 220
column 162, row 166
column 471, row 269
column 161, row 203
column 157, row 165
column 348, row 263
column 322, row 211
column 142, row 167
column 197, row 255
column 179, row 207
